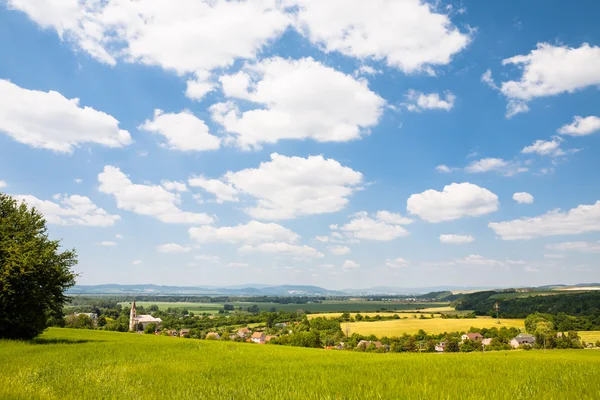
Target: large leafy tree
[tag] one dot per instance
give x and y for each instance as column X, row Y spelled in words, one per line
column 34, row 272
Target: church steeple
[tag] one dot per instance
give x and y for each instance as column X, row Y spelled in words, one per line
column 132, row 317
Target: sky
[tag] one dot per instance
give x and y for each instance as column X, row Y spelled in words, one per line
column 344, row 144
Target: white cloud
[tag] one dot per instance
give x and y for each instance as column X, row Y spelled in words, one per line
column 288, row 187
column 151, row 200
column 183, row 131
column 408, row 35
column 136, row 262
column 545, row 148
column 208, row 258
column 584, row 247
column 523, row 197
column 238, row 265
column 582, row 219
column 456, row 239
column 581, row 126
column 349, row 264
column 70, row 210
column 457, row 200
column 554, row 256
column 301, row 99
column 3, row 184
column 250, row 233
column 322, row 239
column 339, row 250
column 176, row 36
column 222, row 191
column 77, row 180
column 106, row 243
column 477, row 260
column 549, row 70
column 283, row 248
column 444, row 168
column 51, row 121
column 507, row 168
column 417, row 101
column 363, row 227
column 488, row 80
column 119, row 236
column 367, row 70
column 174, row 186
column 396, row 263
column 173, row 248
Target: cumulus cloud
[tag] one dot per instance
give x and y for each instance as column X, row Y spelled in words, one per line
column 385, row 226
column 238, row 265
column 288, row 187
column 183, row 131
column 549, row 70
column 349, row 264
column 545, row 148
column 582, row 219
column 250, row 233
column 444, row 169
column 136, row 262
column 283, row 248
column 173, row 248
column 222, row 191
column 457, row 200
column 456, row 239
column 523, row 197
column 581, row 126
column 584, row 247
column 422, row 37
column 151, row 200
column 106, row 243
column 339, row 250
column 174, row 186
column 70, row 210
column 503, row 167
column 208, row 258
column 417, row 101
column 300, row 99
column 3, row 184
column 396, row 263
column 49, row 120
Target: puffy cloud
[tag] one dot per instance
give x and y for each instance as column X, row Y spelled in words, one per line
column 322, row 239
column 208, row 258
column 136, row 262
column 287, row 187
column 283, row 248
column 3, row 184
column 408, row 35
column 349, row 264
column 582, row 219
column 301, row 99
column 457, row 200
column 477, row 260
column 456, row 239
column 581, row 126
column 339, row 250
column 584, row 247
column 183, row 131
column 549, row 70
column 385, row 226
column 151, row 200
column 251, row 233
column 173, row 248
column 119, row 236
column 174, row 186
column 545, row 148
column 106, row 243
column 444, row 169
column 507, row 168
column 222, row 191
column 417, row 101
column 51, row 121
column 238, row 265
column 70, row 210
column 176, row 36
column 488, row 80
column 396, row 263
column 523, row 197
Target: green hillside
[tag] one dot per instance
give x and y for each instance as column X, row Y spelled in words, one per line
column 69, row 364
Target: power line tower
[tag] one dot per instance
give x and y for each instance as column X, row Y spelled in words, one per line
column 497, row 308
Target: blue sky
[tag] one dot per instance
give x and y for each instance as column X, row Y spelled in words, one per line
column 345, row 144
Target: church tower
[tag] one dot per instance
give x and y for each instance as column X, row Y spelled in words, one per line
column 132, row 316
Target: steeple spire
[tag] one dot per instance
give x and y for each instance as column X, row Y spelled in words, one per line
column 132, row 317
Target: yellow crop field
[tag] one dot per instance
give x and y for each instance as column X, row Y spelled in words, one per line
column 374, row 314
column 436, row 325
column 589, row 336
column 434, row 310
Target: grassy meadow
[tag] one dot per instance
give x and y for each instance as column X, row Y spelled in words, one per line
column 324, row 307
column 76, row 364
column 397, row 327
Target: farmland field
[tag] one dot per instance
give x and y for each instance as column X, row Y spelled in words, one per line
column 374, row 314
column 325, row 306
column 74, row 364
column 590, row 336
column 432, row 326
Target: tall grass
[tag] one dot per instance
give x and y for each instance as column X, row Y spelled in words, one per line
column 79, row 364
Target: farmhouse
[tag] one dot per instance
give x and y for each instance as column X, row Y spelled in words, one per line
column 440, row 347
column 213, row 335
column 476, row 336
column 145, row 320
column 258, row 337
column 184, row 332
column 521, row 339
column 244, row 332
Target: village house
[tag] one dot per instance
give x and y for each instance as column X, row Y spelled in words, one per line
column 258, row 337
column 244, row 332
column 363, row 344
column 184, row 332
column 268, row 338
column 145, row 320
column 440, row 347
column 476, row 336
column 213, row 335
column 521, row 339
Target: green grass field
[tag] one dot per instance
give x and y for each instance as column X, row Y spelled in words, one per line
column 374, row 314
column 80, row 364
column 324, row 307
column 433, row 326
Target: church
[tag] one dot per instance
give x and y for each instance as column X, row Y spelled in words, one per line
column 145, row 320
